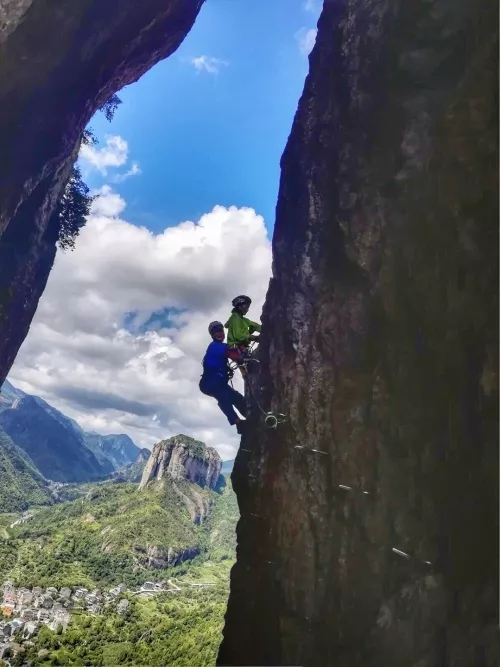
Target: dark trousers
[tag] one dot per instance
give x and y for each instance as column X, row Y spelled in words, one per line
column 226, row 397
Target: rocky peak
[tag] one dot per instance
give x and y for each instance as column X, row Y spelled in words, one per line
column 184, row 458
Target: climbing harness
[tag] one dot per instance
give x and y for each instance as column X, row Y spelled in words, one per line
column 271, row 419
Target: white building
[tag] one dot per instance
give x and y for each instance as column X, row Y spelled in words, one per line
column 149, row 586
column 43, row 614
column 24, row 596
column 46, row 601
column 122, row 606
column 65, row 592
column 30, row 628
column 10, row 595
column 17, row 624
column 94, row 608
column 61, row 618
column 80, row 593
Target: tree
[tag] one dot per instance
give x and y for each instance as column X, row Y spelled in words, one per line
column 72, row 209
column 74, row 205
column 109, row 107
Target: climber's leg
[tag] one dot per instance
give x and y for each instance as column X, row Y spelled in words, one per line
column 238, row 400
column 225, row 401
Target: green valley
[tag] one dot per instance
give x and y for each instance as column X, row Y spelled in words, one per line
column 21, row 482
column 181, row 629
column 112, row 572
column 116, row 533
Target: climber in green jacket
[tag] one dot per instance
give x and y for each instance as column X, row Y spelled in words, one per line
column 240, row 331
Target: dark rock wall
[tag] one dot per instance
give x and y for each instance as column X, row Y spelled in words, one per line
column 380, row 343
column 59, row 62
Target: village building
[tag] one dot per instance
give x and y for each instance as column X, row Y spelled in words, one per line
column 27, row 614
column 122, row 606
column 24, row 596
column 80, row 593
column 8, row 609
column 10, row 595
column 43, row 614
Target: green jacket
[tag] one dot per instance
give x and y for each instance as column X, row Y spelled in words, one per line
column 238, row 329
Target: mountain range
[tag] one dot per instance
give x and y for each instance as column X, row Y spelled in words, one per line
column 60, row 449
column 114, row 532
column 22, row 484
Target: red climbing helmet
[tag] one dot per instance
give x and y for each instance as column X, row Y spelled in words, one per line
column 241, row 300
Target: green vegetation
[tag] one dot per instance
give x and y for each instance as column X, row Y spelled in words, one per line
column 100, row 538
column 73, row 207
column 194, row 447
column 221, row 525
column 21, row 483
column 176, row 629
column 110, row 534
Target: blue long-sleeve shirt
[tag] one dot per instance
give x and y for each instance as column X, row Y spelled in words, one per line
column 215, row 363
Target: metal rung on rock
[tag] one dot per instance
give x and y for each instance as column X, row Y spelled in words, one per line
column 273, row 420
column 308, row 449
column 403, row 554
column 349, row 488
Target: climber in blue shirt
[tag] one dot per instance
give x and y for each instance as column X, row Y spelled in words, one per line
column 216, row 375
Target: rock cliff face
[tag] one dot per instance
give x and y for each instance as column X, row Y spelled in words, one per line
column 49, row 89
column 118, row 449
column 183, row 458
column 159, row 559
column 369, row 528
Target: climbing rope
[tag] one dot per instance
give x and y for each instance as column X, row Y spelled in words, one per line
column 271, row 419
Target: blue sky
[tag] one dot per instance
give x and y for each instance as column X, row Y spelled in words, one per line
column 121, row 330
column 203, row 138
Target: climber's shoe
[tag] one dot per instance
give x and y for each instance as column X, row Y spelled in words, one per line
column 241, row 427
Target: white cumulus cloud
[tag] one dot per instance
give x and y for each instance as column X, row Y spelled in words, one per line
column 306, row 40
column 133, row 171
column 121, row 329
column 113, row 154
column 208, row 64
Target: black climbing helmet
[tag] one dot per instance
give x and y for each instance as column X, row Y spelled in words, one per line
column 215, row 325
column 241, row 300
